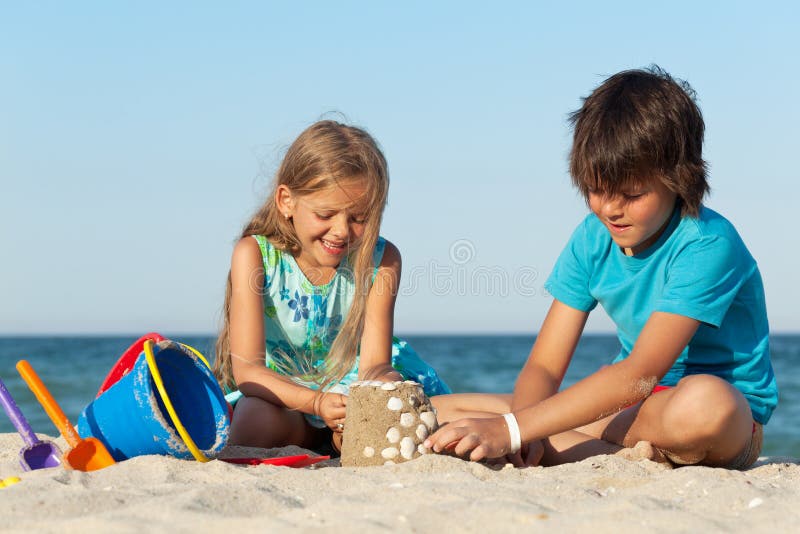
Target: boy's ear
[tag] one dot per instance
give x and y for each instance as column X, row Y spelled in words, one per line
column 284, row 201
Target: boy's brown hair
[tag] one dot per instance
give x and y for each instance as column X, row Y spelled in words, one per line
column 637, row 125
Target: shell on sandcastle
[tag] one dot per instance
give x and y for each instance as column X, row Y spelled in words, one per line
column 386, row 423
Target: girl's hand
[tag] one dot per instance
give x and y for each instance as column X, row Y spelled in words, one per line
column 478, row 438
column 391, row 376
column 331, row 408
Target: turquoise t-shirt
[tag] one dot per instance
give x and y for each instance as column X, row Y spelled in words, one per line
column 698, row 268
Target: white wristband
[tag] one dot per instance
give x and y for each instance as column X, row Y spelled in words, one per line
column 513, row 432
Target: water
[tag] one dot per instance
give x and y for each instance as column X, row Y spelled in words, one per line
column 73, row 368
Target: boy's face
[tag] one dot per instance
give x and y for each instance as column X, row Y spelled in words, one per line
column 635, row 217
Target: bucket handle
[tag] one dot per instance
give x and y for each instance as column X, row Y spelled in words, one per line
column 173, row 415
column 196, row 353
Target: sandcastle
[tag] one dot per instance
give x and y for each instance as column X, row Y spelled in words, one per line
column 386, row 423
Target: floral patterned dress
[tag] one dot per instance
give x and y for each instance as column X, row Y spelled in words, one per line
column 301, row 321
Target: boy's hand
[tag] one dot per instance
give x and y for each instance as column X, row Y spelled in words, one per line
column 529, row 455
column 332, row 408
column 532, row 453
column 478, row 438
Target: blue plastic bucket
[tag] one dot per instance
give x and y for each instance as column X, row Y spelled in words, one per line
column 130, row 417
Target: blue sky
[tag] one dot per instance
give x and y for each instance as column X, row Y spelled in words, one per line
column 136, row 138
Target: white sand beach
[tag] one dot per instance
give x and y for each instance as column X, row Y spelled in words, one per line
column 431, row 494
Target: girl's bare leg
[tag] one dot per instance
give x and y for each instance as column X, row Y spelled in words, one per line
column 461, row 405
column 258, row 423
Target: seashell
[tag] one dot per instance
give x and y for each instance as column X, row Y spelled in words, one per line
column 429, row 418
column 413, row 400
column 395, row 404
column 407, row 448
column 406, row 419
column 388, row 386
column 389, row 462
column 393, row 435
column 422, row 449
column 369, row 452
column 390, row 452
column 422, row 431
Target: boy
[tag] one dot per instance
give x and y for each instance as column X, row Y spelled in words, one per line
column 693, row 377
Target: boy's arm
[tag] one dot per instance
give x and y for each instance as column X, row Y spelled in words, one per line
column 539, row 379
column 375, row 362
column 550, row 356
column 615, row 387
column 603, row 393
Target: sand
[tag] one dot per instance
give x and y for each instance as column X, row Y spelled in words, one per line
column 430, row 494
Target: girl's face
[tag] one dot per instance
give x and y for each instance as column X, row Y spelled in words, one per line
column 329, row 224
column 636, row 217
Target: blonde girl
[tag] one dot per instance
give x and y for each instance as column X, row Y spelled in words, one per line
column 309, row 306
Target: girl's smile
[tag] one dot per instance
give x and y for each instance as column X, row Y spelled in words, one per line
column 333, row 248
column 328, row 223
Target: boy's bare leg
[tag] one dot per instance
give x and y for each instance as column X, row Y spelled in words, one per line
column 703, row 420
column 570, row 446
column 574, row 446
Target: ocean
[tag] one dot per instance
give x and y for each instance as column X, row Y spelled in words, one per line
column 73, row 368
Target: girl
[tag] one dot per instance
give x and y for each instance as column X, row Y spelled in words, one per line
column 676, row 279
column 309, row 305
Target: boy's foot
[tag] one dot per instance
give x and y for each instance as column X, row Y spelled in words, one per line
column 643, row 450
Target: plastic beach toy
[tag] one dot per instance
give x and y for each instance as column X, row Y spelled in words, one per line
column 10, row 481
column 169, row 403
column 300, row 460
column 86, row 454
column 36, row 454
column 127, row 361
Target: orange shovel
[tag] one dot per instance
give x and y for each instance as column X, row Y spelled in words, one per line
column 86, row 454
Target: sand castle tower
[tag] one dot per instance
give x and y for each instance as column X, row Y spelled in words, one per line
column 386, row 423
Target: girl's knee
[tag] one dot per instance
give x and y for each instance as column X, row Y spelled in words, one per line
column 258, row 423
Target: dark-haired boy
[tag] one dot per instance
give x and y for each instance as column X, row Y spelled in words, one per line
column 693, row 379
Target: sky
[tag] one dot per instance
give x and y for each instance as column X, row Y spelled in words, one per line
column 137, row 138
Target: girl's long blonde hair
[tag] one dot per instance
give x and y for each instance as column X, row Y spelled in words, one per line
column 326, row 154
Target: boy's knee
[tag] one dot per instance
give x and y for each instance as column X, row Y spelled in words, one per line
column 704, row 405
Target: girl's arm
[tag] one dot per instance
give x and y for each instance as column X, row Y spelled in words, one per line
column 376, row 340
column 247, row 335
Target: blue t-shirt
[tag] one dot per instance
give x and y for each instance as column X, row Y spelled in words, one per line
column 698, row 268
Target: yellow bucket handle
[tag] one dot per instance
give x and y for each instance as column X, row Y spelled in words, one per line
column 196, row 353
column 187, row 439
